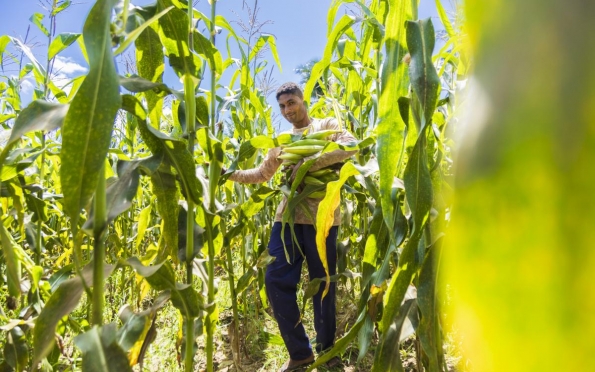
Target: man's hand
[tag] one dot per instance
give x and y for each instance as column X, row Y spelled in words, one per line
column 295, row 170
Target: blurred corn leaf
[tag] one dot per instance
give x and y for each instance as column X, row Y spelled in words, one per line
column 101, row 352
column 61, row 303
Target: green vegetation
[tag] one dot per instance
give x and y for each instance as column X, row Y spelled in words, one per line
column 119, row 229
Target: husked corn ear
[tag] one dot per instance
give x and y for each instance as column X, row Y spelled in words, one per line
column 286, row 156
column 307, row 142
column 303, row 150
column 317, row 194
column 322, row 134
column 321, row 172
column 309, row 180
column 328, row 177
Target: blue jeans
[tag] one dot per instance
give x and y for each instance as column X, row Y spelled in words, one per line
column 282, row 279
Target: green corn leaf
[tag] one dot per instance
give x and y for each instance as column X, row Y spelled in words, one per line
column 27, row 51
column 429, row 326
column 119, row 194
column 13, row 265
column 143, row 223
column 259, row 105
column 332, row 14
column 132, row 36
column 266, row 142
column 5, row 117
column 257, row 200
column 4, row 40
column 150, row 64
column 162, row 277
column 391, row 128
column 418, row 184
column 37, row 206
column 60, row 304
column 135, row 328
column 220, row 21
column 203, row 135
column 131, row 104
column 8, row 172
column 245, row 280
column 215, row 167
column 165, row 189
column 38, row 115
column 175, row 151
column 364, row 337
column 418, row 189
column 373, row 247
column 101, row 352
column 207, row 50
column 340, row 28
column 87, row 129
column 424, row 78
column 263, row 40
column 75, row 86
column 388, row 356
column 325, row 216
column 341, row 344
column 16, row 349
column 294, row 201
column 61, row 7
column 173, row 33
column 202, row 114
column 183, row 233
column 137, row 84
column 444, row 19
column 312, row 288
column 61, row 42
column 397, row 288
column 37, row 19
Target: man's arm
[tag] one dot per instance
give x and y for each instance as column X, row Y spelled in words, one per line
column 343, row 137
column 263, row 173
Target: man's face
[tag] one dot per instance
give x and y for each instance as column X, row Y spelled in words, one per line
column 292, row 108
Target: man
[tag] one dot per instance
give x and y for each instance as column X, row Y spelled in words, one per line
column 282, row 277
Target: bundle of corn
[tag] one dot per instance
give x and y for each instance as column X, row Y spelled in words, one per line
column 309, row 146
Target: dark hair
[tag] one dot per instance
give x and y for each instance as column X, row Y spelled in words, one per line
column 290, row 88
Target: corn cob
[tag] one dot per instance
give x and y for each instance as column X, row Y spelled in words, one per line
column 307, row 142
column 287, row 156
column 328, row 178
column 303, row 150
column 322, row 134
column 321, row 172
column 317, row 194
column 309, row 180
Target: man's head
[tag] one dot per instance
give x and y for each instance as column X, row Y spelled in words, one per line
column 290, row 88
column 292, row 106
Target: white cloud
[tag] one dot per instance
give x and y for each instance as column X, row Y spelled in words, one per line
column 27, row 86
column 66, row 67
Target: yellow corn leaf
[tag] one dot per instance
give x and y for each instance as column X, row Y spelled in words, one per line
column 326, row 216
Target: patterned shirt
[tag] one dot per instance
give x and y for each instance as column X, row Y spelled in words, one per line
column 271, row 163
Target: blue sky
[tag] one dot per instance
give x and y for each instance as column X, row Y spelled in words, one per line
column 299, row 26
